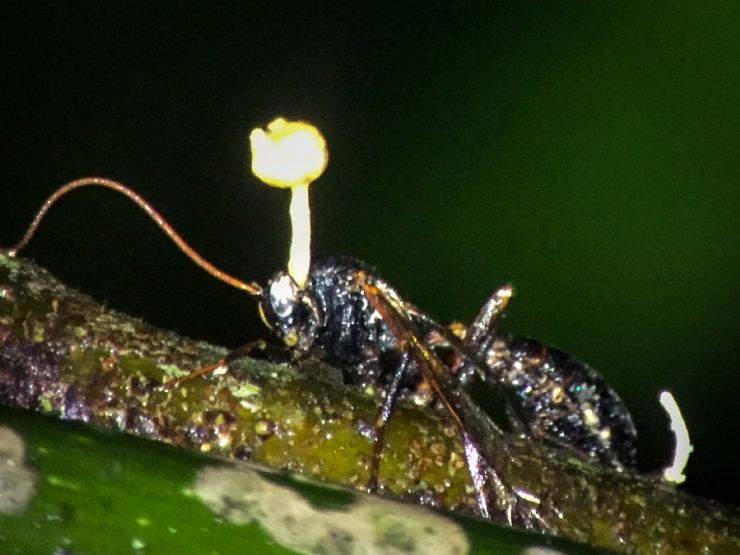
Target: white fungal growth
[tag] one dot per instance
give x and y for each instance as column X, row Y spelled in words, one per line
column 674, row 472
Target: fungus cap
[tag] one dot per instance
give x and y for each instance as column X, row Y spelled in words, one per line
column 288, row 154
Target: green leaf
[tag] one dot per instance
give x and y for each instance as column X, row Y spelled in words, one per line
column 79, row 490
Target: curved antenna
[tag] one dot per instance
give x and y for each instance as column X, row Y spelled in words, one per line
column 250, row 288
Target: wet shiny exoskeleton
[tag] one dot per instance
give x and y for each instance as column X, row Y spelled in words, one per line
column 352, row 319
column 333, row 319
column 561, row 400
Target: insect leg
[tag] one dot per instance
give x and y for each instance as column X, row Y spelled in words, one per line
column 479, row 334
column 483, row 327
column 486, row 322
column 384, row 414
column 471, row 423
column 477, row 468
column 484, row 445
column 473, row 348
column 239, row 352
column 478, row 339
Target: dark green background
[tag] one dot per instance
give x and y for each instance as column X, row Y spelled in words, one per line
column 587, row 152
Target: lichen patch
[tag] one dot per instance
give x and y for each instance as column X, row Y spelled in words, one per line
column 17, row 481
column 538, row 550
column 368, row 526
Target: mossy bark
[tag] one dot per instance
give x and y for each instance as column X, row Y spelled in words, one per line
column 61, row 353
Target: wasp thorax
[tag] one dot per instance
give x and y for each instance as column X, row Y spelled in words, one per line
column 290, row 311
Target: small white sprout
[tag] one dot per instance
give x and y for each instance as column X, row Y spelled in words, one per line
column 292, row 154
column 674, row 472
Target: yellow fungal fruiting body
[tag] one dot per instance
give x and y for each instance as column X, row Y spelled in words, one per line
column 288, row 154
column 292, row 154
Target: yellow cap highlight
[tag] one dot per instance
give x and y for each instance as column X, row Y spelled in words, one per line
column 288, row 154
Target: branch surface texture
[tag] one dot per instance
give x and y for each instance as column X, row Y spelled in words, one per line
column 63, row 354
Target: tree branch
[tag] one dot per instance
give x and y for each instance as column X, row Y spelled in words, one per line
column 63, row 354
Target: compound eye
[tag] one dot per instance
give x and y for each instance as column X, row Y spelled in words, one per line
column 283, row 296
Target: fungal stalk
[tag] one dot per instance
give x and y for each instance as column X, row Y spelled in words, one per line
column 292, row 154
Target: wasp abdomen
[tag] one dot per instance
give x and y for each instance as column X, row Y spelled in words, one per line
column 564, row 401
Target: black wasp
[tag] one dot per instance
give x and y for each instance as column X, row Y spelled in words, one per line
column 341, row 311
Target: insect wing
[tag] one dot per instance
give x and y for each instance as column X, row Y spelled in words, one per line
column 483, row 442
